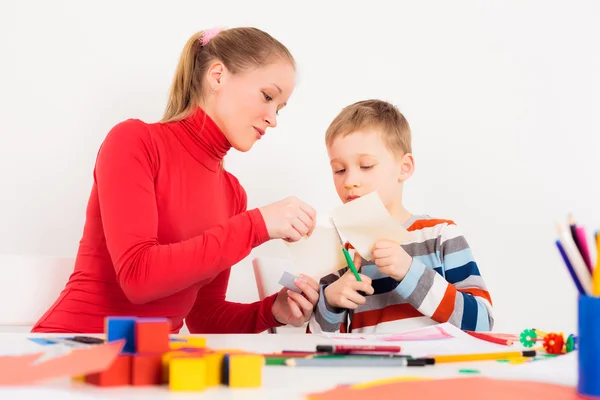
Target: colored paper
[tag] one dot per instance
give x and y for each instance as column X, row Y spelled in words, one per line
column 318, row 255
column 434, row 332
column 453, row 389
column 287, row 280
column 33, row 368
column 364, row 221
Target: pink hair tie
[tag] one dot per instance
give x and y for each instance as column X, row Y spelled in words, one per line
column 209, row 34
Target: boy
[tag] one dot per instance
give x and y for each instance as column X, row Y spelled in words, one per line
column 433, row 277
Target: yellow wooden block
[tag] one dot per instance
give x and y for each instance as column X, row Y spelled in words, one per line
column 188, row 341
column 187, row 374
column 166, row 359
column 214, row 362
column 245, row 370
column 80, row 378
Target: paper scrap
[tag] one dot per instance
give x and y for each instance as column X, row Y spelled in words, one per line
column 318, row 255
column 453, row 389
column 26, row 369
column 287, row 280
column 365, row 221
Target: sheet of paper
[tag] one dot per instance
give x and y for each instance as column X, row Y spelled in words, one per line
column 364, row 221
column 318, row 255
column 32, row 368
column 451, row 389
column 442, row 339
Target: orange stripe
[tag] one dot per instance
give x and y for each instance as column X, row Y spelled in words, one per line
column 390, row 313
column 478, row 292
column 446, row 307
column 428, row 223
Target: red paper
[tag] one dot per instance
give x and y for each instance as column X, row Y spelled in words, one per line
column 454, row 389
column 23, row 370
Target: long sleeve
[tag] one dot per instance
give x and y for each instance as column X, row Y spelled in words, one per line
column 146, row 270
column 461, row 298
column 213, row 314
column 325, row 319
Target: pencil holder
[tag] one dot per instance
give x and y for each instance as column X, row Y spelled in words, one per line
column 588, row 343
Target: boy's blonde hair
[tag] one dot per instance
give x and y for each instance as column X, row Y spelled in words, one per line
column 373, row 114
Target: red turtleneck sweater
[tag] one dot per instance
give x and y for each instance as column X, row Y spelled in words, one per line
column 164, row 224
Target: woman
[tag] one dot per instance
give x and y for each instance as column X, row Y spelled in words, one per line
column 165, row 222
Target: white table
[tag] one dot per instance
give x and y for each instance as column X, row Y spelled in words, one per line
column 281, row 382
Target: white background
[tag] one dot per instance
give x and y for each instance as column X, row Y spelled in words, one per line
column 502, row 98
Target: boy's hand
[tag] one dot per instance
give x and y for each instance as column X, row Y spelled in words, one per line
column 343, row 293
column 296, row 308
column 391, row 259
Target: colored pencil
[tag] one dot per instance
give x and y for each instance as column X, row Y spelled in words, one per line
column 490, row 338
column 582, row 245
column 479, row 356
column 351, row 349
column 596, row 275
column 570, row 268
column 354, row 362
column 574, row 256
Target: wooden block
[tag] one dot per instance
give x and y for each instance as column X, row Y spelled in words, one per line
column 118, row 374
column 152, row 335
column 118, row 328
column 187, row 341
column 187, row 373
column 245, row 370
column 214, row 365
column 146, row 369
column 166, row 359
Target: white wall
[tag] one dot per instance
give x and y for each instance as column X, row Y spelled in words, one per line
column 502, row 98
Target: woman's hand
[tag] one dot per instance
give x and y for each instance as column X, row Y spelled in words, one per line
column 289, row 219
column 291, row 308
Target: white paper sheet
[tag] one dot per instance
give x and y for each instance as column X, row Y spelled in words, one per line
column 318, row 255
column 364, row 221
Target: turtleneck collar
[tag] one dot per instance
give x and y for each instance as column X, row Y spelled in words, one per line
column 202, row 138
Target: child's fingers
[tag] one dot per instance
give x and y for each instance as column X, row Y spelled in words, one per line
column 384, row 262
column 362, row 286
column 353, row 296
column 382, row 252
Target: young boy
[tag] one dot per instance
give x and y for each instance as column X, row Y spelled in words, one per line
column 433, row 277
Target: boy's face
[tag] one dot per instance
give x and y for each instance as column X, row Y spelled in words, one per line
column 361, row 163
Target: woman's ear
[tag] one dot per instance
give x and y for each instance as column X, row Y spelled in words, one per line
column 407, row 167
column 215, row 75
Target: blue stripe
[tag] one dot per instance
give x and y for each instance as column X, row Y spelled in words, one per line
column 469, row 319
column 459, row 274
column 440, row 271
column 483, row 322
column 409, row 283
column 430, row 260
column 458, row 259
column 372, row 272
column 384, row 285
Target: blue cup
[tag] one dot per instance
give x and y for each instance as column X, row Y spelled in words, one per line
column 588, row 344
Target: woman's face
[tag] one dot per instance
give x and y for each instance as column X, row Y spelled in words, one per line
column 244, row 105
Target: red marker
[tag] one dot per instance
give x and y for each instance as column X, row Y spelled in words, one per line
column 353, row 349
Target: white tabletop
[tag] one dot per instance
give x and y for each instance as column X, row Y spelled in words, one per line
column 281, row 382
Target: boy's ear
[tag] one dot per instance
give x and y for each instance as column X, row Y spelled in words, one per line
column 407, row 167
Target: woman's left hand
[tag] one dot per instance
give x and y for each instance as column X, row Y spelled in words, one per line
column 291, row 308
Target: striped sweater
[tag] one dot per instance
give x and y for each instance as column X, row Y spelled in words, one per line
column 443, row 284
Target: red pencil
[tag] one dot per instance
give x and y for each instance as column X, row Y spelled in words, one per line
column 490, row 338
column 352, row 349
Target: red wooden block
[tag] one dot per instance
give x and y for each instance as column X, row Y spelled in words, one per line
column 118, row 374
column 152, row 335
column 146, row 369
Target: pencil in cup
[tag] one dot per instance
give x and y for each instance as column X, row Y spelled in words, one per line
column 576, row 260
